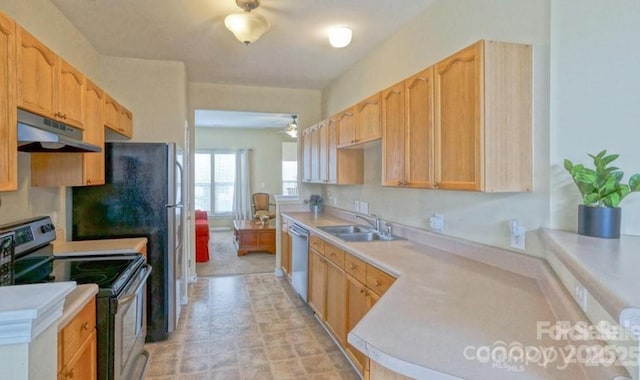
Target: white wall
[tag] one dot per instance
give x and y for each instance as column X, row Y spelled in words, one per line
column 441, row 30
column 595, row 101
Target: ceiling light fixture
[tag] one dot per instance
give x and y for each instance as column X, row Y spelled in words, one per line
column 247, row 26
column 339, row 36
column 292, row 128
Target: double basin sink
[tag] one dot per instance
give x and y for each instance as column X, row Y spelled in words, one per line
column 357, row 233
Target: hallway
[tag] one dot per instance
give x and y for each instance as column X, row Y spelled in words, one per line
column 247, row 327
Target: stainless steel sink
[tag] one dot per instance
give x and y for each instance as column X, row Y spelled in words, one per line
column 350, row 229
column 357, row 233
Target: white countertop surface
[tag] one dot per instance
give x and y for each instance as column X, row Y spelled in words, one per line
column 440, row 305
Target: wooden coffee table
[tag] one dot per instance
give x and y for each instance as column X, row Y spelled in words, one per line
column 252, row 236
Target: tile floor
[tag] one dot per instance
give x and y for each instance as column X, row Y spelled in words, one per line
column 247, row 327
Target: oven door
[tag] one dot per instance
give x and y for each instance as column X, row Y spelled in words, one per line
column 130, row 323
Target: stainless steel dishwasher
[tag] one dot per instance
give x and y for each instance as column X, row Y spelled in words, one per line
column 299, row 259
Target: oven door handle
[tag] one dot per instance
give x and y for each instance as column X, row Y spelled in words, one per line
column 131, row 296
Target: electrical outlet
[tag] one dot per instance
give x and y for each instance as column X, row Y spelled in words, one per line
column 517, row 234
column 436, row 222
column 581, row 295
column 364, row 207
column 356, row 206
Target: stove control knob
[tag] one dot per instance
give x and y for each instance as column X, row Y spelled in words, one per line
column 46, row 228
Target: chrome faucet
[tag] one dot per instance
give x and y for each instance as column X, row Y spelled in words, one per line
column 375, row 224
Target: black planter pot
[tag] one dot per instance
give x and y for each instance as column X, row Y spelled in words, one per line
column 601, row 222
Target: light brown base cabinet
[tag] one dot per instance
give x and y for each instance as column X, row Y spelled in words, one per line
column 77, row 346
column 342, row 289
column 285, row 250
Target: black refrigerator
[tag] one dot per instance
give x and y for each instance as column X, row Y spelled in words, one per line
column 141, row 197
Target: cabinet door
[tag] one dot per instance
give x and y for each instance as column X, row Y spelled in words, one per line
column 305, row 138
column 357, row 307
column 285, row 246
column 94, row 134
column 315, row 154
column 126, row 122
column 368, row 119
column 69, row 100
column 8, row 132
column 393, row 136
column 419, row 129
column 346, row 124
column 111, row 113
column 332, row 151
column 83, row 364
column 36, row 69
column 323, row 152
column 317, row 283
column 459, row 137
column 336, row 316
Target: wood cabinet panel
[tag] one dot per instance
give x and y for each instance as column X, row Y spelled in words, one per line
column 317, row 244
column 94, row 165
column 111, row 113
column 70, row 95
column 378, row 281
column 336, row 298
column 77, row 345
column 315, row 153
column 36, row 70
column 8, row 132
column 305, row 138
column 483, row 118
column 346, row 124
column 393, row 136
column 419, row 119
column 317, row 283
column 369, row 119
column 334, row 254
column 285, row 245
column 331, row 134
column 355, row 267
column 358, row 304
column 126, row 122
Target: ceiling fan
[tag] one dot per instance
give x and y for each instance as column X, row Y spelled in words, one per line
column 292, row 128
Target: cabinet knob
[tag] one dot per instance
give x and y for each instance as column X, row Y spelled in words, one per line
column 361, row 291
column 353, row 267
column 70, row 374
column 64, row 116
column 378, row 284
column 436, row 184
column 85, row 326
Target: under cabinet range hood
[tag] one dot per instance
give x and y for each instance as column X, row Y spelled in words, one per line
column 40, row 134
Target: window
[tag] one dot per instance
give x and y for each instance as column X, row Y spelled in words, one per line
column 214, row 181
column 289, row 177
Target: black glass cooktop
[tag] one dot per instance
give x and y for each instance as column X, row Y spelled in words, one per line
column 111, row 274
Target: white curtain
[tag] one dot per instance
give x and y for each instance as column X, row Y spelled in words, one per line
column 242, row 186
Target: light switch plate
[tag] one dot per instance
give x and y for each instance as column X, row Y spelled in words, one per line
column 364, row 207
column 356, row 206
column 436, row 222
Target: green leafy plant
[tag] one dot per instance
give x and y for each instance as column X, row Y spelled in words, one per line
column 314, row 200
column 602, row 186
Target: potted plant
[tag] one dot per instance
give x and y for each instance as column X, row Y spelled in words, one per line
column 315, row 203
column 602, row 192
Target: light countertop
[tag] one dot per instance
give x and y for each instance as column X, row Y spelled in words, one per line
column 99, row 247
column 75, row 301
column 443, row 307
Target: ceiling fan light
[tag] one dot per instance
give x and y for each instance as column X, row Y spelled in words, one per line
column 340, row 36
column 247, row 26
column 293, row 133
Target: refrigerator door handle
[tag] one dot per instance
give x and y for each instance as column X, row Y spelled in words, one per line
column 175, row 206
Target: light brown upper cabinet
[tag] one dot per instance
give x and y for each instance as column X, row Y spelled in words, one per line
column 47, row 85
column 346, row 124
column 315, row 152
column 117, row 118
column 305, row 137
column 369, row 119
column 76, row 169
column 8, row 131
column 483, row 118
column 407, row 132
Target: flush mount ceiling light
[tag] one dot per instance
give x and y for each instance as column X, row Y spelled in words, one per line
column 247, row 26
column 339, row 36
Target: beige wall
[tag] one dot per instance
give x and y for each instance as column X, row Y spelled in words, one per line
column 442, row 29
column 595, row 57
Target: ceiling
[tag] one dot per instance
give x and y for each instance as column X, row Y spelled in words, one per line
column 294, row 53
column 236, row 119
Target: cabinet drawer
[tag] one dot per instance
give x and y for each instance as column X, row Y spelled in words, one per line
column 355, row 267
column 317, row 244
column 71, row 337
column 334, row 254
column 377, row 280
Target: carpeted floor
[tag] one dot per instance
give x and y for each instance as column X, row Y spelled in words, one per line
column 223, row 259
